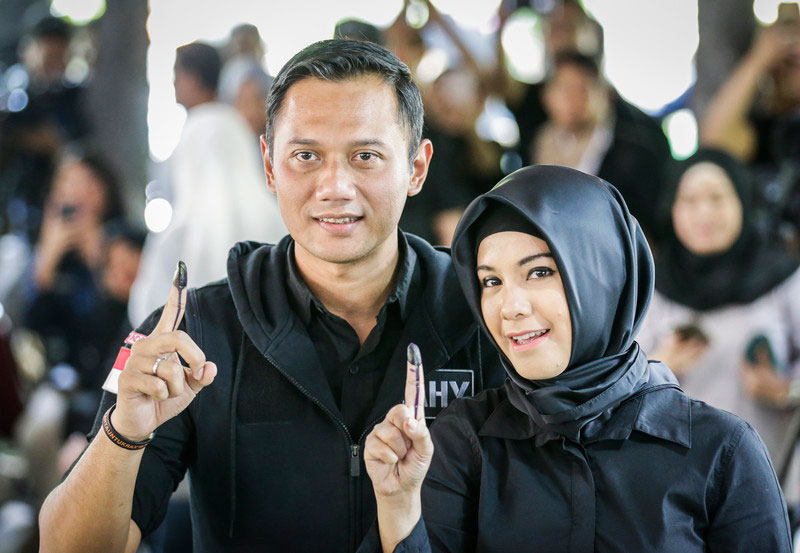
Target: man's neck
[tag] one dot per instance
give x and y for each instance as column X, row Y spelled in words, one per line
column 199, row 99
column 354, row 291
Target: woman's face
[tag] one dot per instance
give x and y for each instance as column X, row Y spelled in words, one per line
column 707, row 212
column 524, row 304
column 76, row 185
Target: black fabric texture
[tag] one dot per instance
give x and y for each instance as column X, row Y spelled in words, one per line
column 271, row 461
column 602, row 254
column 750, row 268
column 666, row 473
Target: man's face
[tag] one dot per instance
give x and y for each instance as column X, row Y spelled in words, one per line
column 574, row 99
column 340, row 168
column 186, row 87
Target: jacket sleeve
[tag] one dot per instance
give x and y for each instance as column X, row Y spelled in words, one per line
column 450, row 493
column 748, row 510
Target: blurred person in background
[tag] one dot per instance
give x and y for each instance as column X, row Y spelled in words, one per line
column 763, row 90
column 69, row 254
column 244, row 41
column 726, row 313
column 77, row 306
column 587, row 130
column 244, row 85
column 755, row 116
column 575, row 118
column 465, row 166
column 219, row 196
column 45, row 114
column 466, row 163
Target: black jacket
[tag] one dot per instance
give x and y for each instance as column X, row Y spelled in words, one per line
column 666, row 473
column 272, row 465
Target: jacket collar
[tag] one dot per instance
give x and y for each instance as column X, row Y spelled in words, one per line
column 303, row 299
column 664, row 413
column 439, row 322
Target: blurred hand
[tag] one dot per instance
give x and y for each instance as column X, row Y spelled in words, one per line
column 680, row 353
column 762, row 382
column 146, row 400
column 57, row 237
column 773, row 43
column 397, row 454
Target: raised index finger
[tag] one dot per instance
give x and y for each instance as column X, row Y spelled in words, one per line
column 176, row 304
column 415, row 385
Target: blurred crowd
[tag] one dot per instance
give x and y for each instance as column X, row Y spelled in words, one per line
column 78, row 272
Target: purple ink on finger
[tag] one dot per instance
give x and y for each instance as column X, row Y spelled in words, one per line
column 415, row 360
column 179, row 281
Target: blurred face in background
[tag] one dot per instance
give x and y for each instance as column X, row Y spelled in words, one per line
column 122, row 264
column 524, row 304
column 574, row 98
column 251, row 102
column 455, row 102
column 707, row 211
column 78, row 188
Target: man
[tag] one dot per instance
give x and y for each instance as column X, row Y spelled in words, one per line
column 213, row 172
column 305, row 343
column 39, row 118
column 587, row 126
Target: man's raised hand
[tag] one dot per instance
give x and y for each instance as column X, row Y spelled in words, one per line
column 155, row 386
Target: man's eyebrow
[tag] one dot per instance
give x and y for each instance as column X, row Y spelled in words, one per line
column 368, row 142
column 523, row 261
column 303, row 141
column 299, row 141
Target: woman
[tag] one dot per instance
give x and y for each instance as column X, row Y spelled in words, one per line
column 726, row 312
column 588, row 447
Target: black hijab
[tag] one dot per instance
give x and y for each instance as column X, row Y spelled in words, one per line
column 607, row 271
column 750, row 268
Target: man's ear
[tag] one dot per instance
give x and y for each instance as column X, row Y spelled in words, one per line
column 419, row 169
column 267, row 164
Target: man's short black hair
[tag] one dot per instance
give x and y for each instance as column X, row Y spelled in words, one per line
column 201, row 60
column 340, row 59
column 355, row 29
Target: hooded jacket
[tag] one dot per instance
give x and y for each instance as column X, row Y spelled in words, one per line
column 609, row 455
column 272, row 465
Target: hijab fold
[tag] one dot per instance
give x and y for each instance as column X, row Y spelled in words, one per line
column 607, row 271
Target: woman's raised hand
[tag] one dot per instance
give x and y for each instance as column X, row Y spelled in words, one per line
column 397, row 454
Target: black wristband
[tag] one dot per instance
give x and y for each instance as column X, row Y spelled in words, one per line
column 119, row 439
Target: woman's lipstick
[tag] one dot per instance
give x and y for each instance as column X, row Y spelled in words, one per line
column 527, row 339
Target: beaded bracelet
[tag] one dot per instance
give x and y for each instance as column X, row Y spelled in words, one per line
column 117, row 438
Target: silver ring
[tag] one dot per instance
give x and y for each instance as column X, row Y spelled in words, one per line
column 155, row 365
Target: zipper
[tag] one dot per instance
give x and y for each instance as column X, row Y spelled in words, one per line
column 355, row 460
column 355, row 451
column 312, row 398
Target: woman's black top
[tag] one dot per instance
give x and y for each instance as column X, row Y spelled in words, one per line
column 609, row 455
column 664, row 473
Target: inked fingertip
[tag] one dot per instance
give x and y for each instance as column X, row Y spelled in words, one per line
column 413, row 355
column 180, row 278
